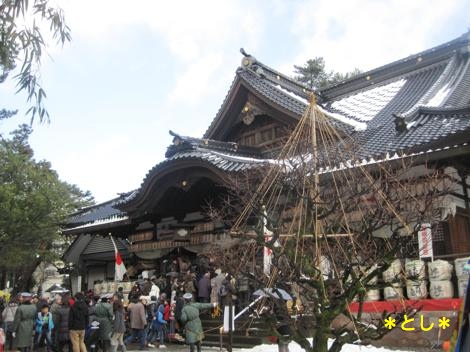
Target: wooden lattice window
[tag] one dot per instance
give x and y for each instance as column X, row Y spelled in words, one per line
column 459, row 230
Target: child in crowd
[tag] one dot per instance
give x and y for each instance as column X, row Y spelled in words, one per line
column 44, row 326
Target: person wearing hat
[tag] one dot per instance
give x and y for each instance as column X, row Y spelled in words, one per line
column 192, row 322
column 23, row 324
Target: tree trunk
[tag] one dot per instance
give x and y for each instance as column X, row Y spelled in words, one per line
column 4, row 280
column 282, row 346
column 320, row 341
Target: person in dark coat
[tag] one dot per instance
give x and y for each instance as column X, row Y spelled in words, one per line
column 8, row 316
column 55, row 308
column 147, row 287
column 152, row 333
column 78, row 321
column 120, row 293
column 104, row 315
column 159, row 323
column 135, row 292
column 192, row 322
column 119, row 327
column 226, row 291
column 243, row 285
column 23, row 324
column 62, row 327
column 204, row 288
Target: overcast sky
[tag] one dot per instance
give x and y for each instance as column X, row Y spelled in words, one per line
column 134, row 70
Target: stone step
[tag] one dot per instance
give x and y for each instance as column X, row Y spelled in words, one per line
column 237, row 340
column 248, row 333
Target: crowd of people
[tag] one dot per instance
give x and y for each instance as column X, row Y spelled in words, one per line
column 207, row 286
column 154, row 313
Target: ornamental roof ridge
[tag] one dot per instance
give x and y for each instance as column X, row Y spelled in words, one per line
column 186, row 143
column 399, row 67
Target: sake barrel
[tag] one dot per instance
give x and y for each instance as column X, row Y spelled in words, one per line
column 416, row 289
column 459, row 264
column 111, row 287
column 439, row 270
column 127, row 286
column 393, row 292
column 462, row 289
column 441, row 289
column 104, row 287
column 415, row 269
column 372, row 295
column 394, row 271
column 125, row 300
column 366, row 272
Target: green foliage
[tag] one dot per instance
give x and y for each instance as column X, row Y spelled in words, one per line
column 22, row 42
column 34, row 202
column 313, row 74
column 6, row 114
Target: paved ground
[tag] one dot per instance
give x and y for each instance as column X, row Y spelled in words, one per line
column 179, row 348
column 173, row 348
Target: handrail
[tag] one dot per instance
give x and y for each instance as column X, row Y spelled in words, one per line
column 243, row 311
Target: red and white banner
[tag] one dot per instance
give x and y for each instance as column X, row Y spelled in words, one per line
column 425, row 241
column 120, row 269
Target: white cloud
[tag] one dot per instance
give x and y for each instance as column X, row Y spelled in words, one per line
column 366, row 34
column 199, row 35
column 197, row 78
column 202, row 39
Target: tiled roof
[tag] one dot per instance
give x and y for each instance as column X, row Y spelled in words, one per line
column 428, row 91
column 281, row 94
column 437, row 79
column 397, row 68
column 227, row 157
column 98, row 214
column 184, row 143
column 224, row 156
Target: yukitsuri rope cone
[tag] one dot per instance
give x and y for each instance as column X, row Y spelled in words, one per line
column 319, row 208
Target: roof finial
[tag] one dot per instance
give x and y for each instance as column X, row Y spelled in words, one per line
column 244, row 53
column 174, row 134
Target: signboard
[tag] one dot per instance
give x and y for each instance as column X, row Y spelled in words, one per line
column 425, row 241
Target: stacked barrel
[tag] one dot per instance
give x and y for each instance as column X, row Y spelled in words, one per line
column 440, row 274
column 111, row 287
column 393, row 276
column 416, row 283
column 371, row 294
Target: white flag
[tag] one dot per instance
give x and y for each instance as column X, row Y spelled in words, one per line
column 120, row 268
column 267, row 252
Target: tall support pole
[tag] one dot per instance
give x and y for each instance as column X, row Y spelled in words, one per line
column 230, row 323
